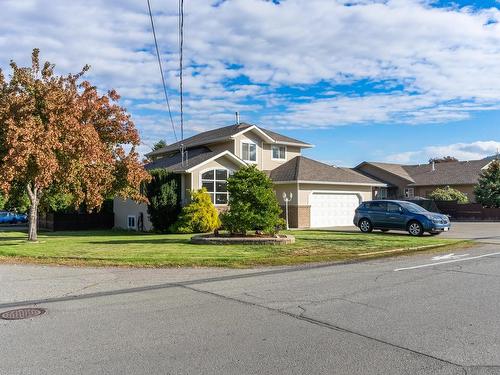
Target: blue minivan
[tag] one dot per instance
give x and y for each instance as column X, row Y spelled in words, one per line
column 399, row 215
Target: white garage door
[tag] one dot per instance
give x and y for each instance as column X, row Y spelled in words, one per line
column 331, row 210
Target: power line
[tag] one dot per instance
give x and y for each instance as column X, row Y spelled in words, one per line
column 161, row 70
column 181, row 46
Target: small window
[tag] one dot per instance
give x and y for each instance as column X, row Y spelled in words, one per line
column 131, row 222
column 409, row 193
column 278, row 152
column 249, row 151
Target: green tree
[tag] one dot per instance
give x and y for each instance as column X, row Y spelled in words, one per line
column 158, row 145
column 59, row 132
column 252, row 203
column 448, row 194
column 199, row 216
column 488, row 188
column 163, row 193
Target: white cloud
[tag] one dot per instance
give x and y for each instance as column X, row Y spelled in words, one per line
column 441, row 64
column 462, row 151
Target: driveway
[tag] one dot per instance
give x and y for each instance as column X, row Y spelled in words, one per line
column 478, row 231
column 418, row 314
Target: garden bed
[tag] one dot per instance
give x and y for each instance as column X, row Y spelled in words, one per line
column 210, row 239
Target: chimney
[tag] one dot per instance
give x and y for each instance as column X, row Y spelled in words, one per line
column 237, row 118
column 433, row 165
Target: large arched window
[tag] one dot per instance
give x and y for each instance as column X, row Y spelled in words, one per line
column 215, row 181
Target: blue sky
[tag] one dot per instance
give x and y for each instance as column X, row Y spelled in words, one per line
column 395, row 80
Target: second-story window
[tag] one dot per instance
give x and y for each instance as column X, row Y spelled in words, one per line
column 249, row 151
column 278, row 152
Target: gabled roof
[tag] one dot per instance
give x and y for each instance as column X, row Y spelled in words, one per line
column 450, row 173
column 195, row 157
column 302, row 169
column 226, row 133
column 395, row 169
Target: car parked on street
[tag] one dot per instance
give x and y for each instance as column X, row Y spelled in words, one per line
column 399, row 215
column 12, row 218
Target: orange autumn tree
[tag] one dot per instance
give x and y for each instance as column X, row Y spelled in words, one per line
column 58, row 134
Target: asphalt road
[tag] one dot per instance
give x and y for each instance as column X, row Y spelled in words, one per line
column 408, row 315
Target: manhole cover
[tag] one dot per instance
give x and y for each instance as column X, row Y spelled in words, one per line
column 19, row 314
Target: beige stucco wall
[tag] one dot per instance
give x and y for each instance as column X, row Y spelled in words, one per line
column 305, row 191
column 288, row 188
column 264, row 153
column 123, row 208
column 267, row 157
column 252, row 137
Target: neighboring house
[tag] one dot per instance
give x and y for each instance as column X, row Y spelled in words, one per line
column 323, row 195
column 409, row 181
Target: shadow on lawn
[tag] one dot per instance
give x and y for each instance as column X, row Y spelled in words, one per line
column 143, row 240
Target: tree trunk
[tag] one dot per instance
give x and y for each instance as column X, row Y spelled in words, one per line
column 33, row 214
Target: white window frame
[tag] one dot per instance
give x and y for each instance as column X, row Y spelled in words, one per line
column 248, row 142
column 272, row 153
column 409, row 192
column 214, row 180
column 128, row 222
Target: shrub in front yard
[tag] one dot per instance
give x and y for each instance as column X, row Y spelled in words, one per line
column 252, row 203
column 200, row 216
column 488, row 188
column 448, row 194
column 163, row 193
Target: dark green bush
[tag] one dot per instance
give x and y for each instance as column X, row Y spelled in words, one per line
column 252, row 203
column 163, row 193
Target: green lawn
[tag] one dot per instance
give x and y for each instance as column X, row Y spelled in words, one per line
column 120, row 248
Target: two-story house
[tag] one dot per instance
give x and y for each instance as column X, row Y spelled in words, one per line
column 322, row 195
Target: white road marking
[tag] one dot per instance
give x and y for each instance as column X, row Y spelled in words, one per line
column 449, row 261
column 449, row 256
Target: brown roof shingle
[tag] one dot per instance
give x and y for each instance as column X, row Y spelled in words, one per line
column 301, row 168
column 225, row 132
column 174, row 163
column 450, row 173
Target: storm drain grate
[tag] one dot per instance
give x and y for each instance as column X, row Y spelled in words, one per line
column 18, row 314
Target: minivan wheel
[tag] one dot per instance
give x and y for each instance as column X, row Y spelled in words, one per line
column 365, row 226
column 415, row 229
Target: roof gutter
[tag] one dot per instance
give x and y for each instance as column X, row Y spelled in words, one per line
column 330, row 183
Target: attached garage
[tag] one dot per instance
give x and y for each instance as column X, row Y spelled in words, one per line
column 323, row 195
column 332, row 209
